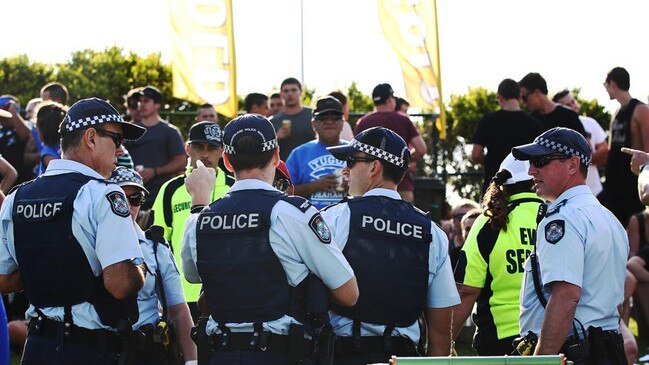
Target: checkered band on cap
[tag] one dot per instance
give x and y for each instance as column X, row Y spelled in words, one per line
column 121, row 175
column 71, row 125
column 266, row 146
column 585, row 160
column 379, row 153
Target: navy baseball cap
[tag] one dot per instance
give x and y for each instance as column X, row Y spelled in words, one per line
column 206, row 132
column 124, row 176
column 152, row 92
column 328, row 105
column 556, row 140
column 379, row 142
column 249, row 125
column 92, row 111
column 381, row 92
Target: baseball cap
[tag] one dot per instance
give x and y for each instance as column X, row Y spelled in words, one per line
column 206, row 132
column 124, row 176
column 328, row 105
column 152, row 92
column 513, row 171
column 249, row 125
column 556, row 140
column 379, row 142
column 283, row 170
column 381, row 92
column 93, row 111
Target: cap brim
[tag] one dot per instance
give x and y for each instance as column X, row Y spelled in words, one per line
column 4, row 114
column 132, row 132
column 328, row 111
column 341, row 152
column 213, row 143
column 527, row 151
column 130, row 183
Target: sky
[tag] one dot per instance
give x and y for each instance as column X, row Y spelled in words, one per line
column 572, row 43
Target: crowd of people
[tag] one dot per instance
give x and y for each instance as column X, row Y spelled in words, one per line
column 123, row 243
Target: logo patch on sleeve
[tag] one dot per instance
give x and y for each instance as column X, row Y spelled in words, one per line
column 118, row 203
column 554, row 231
column 320, row 228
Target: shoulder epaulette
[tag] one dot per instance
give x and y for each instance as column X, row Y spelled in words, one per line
column 156, row 234
column 556, row 208
column 298, row 202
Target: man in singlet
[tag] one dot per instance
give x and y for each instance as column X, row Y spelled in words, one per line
column 629, row 128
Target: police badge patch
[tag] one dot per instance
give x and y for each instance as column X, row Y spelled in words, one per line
column 554, row 231
column 118, row 203
column 320, row 228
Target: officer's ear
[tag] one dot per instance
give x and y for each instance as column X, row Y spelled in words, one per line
column 226, row 162
column 89, row 137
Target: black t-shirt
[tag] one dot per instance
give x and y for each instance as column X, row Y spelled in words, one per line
column 499, row 132
column 561, row 117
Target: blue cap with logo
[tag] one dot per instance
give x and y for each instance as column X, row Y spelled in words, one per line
column 124, row 176
column 379, row 142
column 556, row 140
column 93, row 111
column 206, row 132
column 249, row 125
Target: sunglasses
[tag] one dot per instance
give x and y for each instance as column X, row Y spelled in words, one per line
column 542, row 161
column 116, row 137
column 281, row 184
column 330, row 117
column 136, row 199
column 351, row 160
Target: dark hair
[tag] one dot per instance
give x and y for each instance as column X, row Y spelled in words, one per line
column 560, row 95
column 290, row 81
column 621, row 78
column 247, row 161
column 509, row 89
column 205, row 106
column 58, row 92
column 275, row 96
column 70, row 140
column 496, row 201
column 534, row 81
column 339, row 96
column 253, row 99
column 48, row 120
column 400, row 102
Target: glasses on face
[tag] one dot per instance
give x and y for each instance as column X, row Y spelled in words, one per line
column 325, row 118
column 116, row 137
column 351, row 160
column 542, row 161
column 281, row 184
column 136, row 199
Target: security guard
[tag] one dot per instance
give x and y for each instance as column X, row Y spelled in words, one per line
column 153, row 337
column 574, row 281
column 172, row 204
column 490, row 266
column 69, row 242
column 399, row 256
column 254, row 249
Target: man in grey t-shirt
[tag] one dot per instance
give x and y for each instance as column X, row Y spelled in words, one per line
column 293, row 125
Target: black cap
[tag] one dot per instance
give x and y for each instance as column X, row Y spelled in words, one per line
column 328, row 105
column 93, row 111
column 379, row 142
column 250, row 125
column 381, row 93
column 556, row 140
column 153, row 93
column 206, row 132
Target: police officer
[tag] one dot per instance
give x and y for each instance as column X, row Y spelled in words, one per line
column 69, row 242
column 161, row 288
column 399, row 256
column 253, row 250
column 574, row 281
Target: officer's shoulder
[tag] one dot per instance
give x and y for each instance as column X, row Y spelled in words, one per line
column 156, row 235
column 337, row 206
column 298, row 202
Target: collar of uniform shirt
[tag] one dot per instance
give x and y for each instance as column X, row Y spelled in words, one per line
column 383, row 192
column 575, row 190
column 61, row 166
column 248, row 184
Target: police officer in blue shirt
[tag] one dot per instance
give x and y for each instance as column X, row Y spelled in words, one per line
column 574, row 280
column 162, row 288
column 69, row 243
column 254, row 249
column 399, row 257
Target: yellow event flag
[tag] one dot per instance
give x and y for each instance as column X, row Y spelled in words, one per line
column 411, row 28
column 203, row 62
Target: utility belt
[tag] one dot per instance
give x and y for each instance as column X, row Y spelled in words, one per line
column 69, row 333
column 401, row 346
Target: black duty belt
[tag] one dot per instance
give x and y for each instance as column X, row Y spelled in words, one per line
column 246, row 341
column 78, row 335
column 401, row 346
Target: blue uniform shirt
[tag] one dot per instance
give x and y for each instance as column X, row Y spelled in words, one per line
column 106, row 238
column 580, row 242
column 297, row 247
column 148, row 296
column 442, row 292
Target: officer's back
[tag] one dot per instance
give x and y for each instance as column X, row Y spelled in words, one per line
column 254, row 249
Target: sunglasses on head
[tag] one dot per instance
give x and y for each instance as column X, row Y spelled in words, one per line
column 281, row 184
column 542, row 161
column 136, row 199
column 351, row 160
column 116, row 137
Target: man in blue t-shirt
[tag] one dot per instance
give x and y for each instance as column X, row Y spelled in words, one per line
column 316, row 174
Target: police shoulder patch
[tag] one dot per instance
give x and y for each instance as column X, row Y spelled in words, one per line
column 554, row 231
column 320, row 228
column 118, row 203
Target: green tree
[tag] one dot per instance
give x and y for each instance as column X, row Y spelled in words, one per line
column 593, row 109
column 23, row 79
